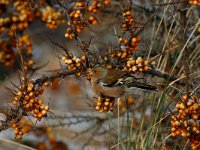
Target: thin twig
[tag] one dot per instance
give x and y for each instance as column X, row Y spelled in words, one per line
column 183, row 39
column 164, row 75
column 171, row 3
column 16, row 143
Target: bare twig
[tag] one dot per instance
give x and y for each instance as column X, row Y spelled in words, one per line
column 183, row 39
column 170, row 3
column 164, row 75
column 63, row 74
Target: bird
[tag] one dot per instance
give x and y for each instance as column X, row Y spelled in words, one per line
column 114, row 83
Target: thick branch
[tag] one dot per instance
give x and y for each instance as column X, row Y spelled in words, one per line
column 63, row 74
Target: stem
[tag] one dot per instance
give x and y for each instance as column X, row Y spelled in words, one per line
column 183, row 39
column 63, row 74
column 118, row 123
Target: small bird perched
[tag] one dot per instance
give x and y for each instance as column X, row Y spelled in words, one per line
column 113, row 83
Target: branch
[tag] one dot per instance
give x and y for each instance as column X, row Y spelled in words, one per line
column 164, row 75
column 63, row 74
column 11, row 117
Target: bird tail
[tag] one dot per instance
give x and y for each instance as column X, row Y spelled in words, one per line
column 141, row 86
column 130, row 82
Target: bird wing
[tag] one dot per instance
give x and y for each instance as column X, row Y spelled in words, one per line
column 141, row 85
column 132, row 82
column 112, row 77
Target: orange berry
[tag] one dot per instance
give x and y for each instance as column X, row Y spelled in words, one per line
column 173, row 134
column 97, row 108
column 19, row 93
column 99, row 104
column 14, row 125
column 46, row 108
column 94, row 22
column 39, row 115
column 91, row 18
column 106, row 103
column 184, row 97
column 195, row 117
column 44, row 112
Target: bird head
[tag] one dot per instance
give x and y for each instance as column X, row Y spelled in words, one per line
column 98, row 72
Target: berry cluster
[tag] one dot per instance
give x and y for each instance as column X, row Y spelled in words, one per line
column 104, row 104
column 132, row 65
column 74, row 63
column 25, row 45
column 51, row 17
column 123, row 53
column 20, row 18
column 94, row 6
column 126, row 50
column 186, row 122
column 22, row 15
column 21, row 127
column 77, row 19
column 194, row 2
column 24, row 41
column 138, row 65
column 8, row 51
column 195, row 143
column 26, row 98
column 119, row 54
column 16, row 17
column 80, row 4
column 7, row 55
column 92, row 20
column 130, row 44
column 75, row 25
column 4, row 2
column 129, row 26
column 128, row 21
column 3, row 23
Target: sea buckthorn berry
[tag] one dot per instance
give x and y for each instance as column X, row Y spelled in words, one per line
column 97, row 108
column 26, row 97
column 194, row 2
column 51, row 17
column 46, row 108
column 74, row 63
column 46, row 83
column 106, row 2
column 80, row 4
column 136, row 66
column 185, row 122
column 92, row 20
column 104, row 104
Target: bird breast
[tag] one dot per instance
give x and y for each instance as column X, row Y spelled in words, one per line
column 100, row 89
